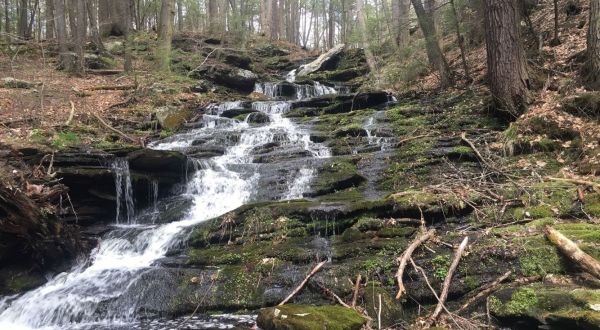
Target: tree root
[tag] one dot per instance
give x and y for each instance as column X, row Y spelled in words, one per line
column 403, row 259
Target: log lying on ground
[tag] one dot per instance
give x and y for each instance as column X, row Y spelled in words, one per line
column 573, row 252
column 112, row 87
column 316, row 65
column 403, row 259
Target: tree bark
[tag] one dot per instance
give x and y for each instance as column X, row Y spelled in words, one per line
column 434, row 52
column 6, row 19
column 400, row 22
column 179, row 15
column 22, row 22
column 331, row 25
column 49, row 19
column 592, row 73
column 213, row 16
column 80, row 36
column 61, row 34
column 507, row 69
column 165, row 34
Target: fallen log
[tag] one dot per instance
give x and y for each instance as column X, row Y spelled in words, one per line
column 406, row 255
column 301, row 285
column 112, row 87
column 573, row 252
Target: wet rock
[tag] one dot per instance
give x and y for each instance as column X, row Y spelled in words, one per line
column 237, row 79
column 234, row 58
column 352, row 130
column 160, row 162
column 258, row 118
column 232, row 113
column 360, row 101
column 391, row 310
column 171, row 117
column 337, row 175
column 308, row 317
column 303, row 112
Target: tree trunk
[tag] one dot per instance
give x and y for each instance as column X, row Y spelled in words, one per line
column 165, row 34
column 22, row 23
column 179, row 15
column 80, row 35
column 92, row 12
column 104, row 17
column 461, row 42
column 49, row 19
column 507, row 68
column 213, row 16
column 331, row 26
column 556, row 40
column 6, row 19
column 434, row 53
column 593, row 46
column 61, row 35
column 362, row 24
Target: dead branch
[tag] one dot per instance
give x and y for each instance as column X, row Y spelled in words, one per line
column 127, row 137
column 356, row 289
column 596, row 185
column 484, row 291
column 484, row 161
column 413, row 138
column 71, row 113
column 403, row 259
column 201, row 64
column 299, row 287
column 573, row 252
column 112, row 87
column 333, row 295
column 448, row 280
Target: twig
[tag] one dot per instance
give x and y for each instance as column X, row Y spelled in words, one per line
column 573, row 252
column 201, row 64
column 576, row 181
column 403, row 259
column 299, row 287
column 485, row 291
column 356, row 289
column 379, row 313
column 478, row 154
column 448, row 280
column 116, row 130
column 71, row 113
column 335, row 296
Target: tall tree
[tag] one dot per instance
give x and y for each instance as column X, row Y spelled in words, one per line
column 165, row 34
column 49, row 12
column 434, row 52
column 507, row 69
column 6, row 19
column 22, row 23
column 179, row 15
column 461, row 41
column 61, row 35
column 213, row 16
column 360, row 16
column 593, row 46
column 400, row 22
column 80, row 35
column 92, row 12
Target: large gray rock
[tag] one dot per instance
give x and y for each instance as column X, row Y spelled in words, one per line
column 317, row 64
column 234, row 78
column 170, row 117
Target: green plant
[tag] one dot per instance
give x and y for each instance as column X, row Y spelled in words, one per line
column 64, row 139
column 440, row 264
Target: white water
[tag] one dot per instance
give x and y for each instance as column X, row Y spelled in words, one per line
column 302, row 91
column 124, row 191
column 81, row 298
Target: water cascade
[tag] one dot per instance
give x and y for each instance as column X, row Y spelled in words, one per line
column 88, row 296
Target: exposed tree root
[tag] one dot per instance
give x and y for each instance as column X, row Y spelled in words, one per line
column 403, row 259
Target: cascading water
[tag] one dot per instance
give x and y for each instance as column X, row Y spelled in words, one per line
column 86, row 297
column 124, row 191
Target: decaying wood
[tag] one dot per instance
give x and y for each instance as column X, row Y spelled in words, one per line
column 112, row 87
column 106, row 72
column 573, row 252
column 116, row 130
column 356, row 289
column 301, row 285
column 71, row 113
column 403, row 259
column 484, row 291
column 596, row 185
column 448, row 280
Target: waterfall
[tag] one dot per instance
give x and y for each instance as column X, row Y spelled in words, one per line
column 87, row 295
column 124, row 191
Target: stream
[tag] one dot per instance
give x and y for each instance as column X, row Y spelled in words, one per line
column 102, row 291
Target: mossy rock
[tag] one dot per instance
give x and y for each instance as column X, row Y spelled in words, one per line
column 391, row 309
column 557, row 307
column 309, row 317
column 591, row 204
column 171, row 118
column 431, row 203
column 337, row 175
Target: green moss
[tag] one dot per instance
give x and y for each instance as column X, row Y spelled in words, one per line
column 539, row 258
column 440, row 263
column 368, row 224
column 350, row 234
column 19, row 281
column 65, row 139
column 520, row 303
column 591, row 205
column 309, row 317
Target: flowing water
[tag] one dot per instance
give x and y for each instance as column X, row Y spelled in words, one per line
column 87, row 296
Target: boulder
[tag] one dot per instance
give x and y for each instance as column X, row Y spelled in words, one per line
column 232, row 113
column 258, row 118
column 237, row 79
column 10, row 82
column 170, row 117
column 321, row 61
column 233, row 58
column 166, row 163
column 308, row 317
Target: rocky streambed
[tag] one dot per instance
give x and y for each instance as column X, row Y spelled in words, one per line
column 206, row 227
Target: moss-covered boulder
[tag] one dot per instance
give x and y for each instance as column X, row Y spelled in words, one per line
column 308, row 317
column 337, row 175
column 391, row 309
column 585, row 105
column 539, row 305
column 170, row 117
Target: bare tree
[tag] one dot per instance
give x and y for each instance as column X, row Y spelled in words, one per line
column 92, row 12
column 360, row 15
column 80, row 36
column 434, row 52
column 507, row 68
column 165, row 34
column 593, row 46
column 461, row 42
column 49, row 19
